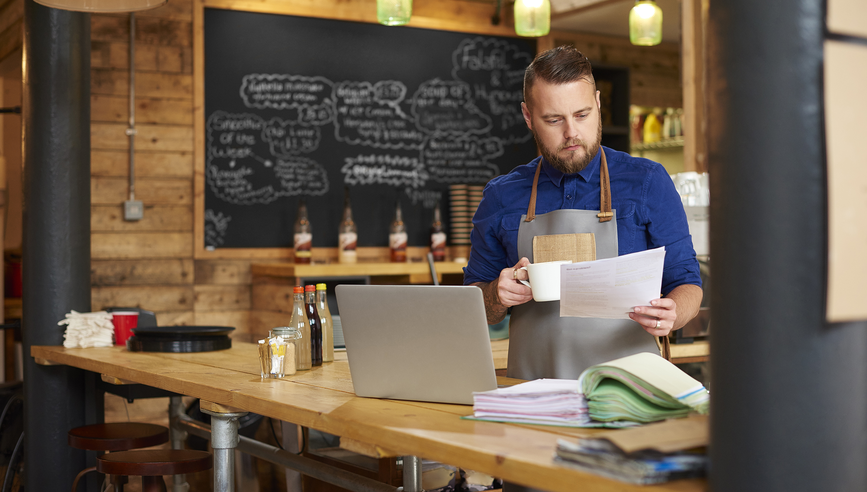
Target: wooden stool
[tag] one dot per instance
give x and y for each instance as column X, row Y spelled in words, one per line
column 152, row 464
column 120, row 436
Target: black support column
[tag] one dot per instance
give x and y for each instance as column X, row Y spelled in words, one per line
column 56, row 154
column 789, row 407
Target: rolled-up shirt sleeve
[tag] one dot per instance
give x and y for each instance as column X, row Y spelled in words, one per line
column 667, row 226
column 488, row 256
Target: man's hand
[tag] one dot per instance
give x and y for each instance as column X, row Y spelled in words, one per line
column 505, row 291
column 510, row 291
column 669, row 313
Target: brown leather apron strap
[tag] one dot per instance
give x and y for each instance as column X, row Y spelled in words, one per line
column 605, row 214
column 531, row 210
column 666, row 348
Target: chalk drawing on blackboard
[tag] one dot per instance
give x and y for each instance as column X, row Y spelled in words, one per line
column 237, row 172
column 370, row 115
column 393, row 170
column 287, row 138
column 216, row 225
column 444, row 107
column 301, row 176
column 495, row 70
column 427, row 198
column 461, row 160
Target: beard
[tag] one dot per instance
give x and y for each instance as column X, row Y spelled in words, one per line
column 574, row 162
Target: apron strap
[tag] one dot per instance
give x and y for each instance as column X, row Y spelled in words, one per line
column 665, row 349
column 605, row 214
column 531, row 210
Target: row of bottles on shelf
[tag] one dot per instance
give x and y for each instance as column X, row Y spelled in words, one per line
column 347, row 237
column 308, row 339
column 653, row 125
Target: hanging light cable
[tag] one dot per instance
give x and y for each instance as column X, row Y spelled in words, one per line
column 645, row 23
column 103, row 5
column 393, row 12
column 532, row 17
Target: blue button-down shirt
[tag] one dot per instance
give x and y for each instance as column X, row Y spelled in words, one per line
column 649, row 214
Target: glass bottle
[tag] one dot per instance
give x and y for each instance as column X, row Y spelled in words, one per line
column 397, row 237
column 303, row 239
column 652, row 127
column 303, row 354
column 327, row 323
column 437, row 236
column 347, row 239
column 315, row 325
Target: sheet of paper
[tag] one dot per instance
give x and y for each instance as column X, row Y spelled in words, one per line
column 611, row 287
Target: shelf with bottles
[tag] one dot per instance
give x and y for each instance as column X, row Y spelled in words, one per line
column 671, row 143
column 655, row 128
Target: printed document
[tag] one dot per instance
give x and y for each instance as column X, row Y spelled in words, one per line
column 611, row 287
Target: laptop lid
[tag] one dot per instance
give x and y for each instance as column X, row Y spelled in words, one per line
column 417, row 342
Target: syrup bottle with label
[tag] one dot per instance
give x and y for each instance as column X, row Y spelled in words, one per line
column 347, row 239
column 315, row 325
column 303, row 354
column 327, row 323
column 303, row 239
column 397, row 237
column 437, row 236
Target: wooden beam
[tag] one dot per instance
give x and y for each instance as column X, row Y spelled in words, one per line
column 694, row 113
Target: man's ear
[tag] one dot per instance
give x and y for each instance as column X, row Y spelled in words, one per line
column 526, row 112
column 598, row 101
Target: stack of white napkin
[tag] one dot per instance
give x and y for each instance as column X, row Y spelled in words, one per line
column 88, row 330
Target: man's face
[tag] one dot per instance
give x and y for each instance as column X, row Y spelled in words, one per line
column 566, row 122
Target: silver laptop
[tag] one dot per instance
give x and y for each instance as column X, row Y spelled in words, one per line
column 417, row 342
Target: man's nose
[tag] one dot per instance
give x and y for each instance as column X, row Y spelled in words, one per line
column 570, row 130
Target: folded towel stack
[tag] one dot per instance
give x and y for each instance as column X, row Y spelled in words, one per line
column 88, row 330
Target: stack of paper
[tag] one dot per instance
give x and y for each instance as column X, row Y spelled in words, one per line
column 651, row 454
column 543, row 401
column 641, row 388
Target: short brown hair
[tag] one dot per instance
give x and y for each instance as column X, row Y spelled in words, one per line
column 560, row 65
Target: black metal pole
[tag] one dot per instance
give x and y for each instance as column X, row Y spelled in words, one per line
column 788, row 408
column 56, row 241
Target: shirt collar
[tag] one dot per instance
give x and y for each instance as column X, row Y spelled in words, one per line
column 556, row 176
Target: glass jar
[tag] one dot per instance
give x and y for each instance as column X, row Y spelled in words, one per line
column 287, row 338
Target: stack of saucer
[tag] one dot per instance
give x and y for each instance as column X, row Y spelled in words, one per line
column 461, row 216
column 464, row 202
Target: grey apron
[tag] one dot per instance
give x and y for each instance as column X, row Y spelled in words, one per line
column 541, row 343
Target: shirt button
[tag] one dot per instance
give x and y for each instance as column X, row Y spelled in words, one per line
column 568, row 197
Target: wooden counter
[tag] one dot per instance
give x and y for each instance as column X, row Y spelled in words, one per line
column 323, row 399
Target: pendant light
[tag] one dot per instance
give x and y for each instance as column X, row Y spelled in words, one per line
column 103, row 5
column 532, row 17
column 393, row 12
column 645, row 23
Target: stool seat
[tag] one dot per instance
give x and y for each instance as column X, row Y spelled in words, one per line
column 154, row 462
column 117, row 436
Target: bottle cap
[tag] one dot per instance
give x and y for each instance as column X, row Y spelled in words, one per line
column 298, row 290
column 320, row 286
column 309, row 288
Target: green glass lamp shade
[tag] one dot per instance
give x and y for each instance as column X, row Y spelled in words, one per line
column 645, row 23
column 393, row 12
column 532, row 17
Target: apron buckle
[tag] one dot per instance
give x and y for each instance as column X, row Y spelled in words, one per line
column 605, row 216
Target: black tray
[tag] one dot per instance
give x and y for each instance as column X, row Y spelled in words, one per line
column 181, row 331
column 175, row 345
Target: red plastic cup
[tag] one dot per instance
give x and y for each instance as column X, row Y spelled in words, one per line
column 124, row 322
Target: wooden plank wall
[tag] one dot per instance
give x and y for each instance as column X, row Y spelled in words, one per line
column 150, row 263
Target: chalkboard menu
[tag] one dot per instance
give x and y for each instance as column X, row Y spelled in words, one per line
column 300, row 107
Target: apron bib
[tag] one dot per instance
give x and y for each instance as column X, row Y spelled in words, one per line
column 541, row 343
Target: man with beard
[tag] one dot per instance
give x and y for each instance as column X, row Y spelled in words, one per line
column 577, row 186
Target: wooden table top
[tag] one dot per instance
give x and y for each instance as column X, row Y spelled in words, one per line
column 323, row 399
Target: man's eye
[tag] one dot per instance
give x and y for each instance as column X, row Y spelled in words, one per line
column 552, row 121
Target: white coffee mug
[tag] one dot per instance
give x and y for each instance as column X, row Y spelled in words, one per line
column 544, row 280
